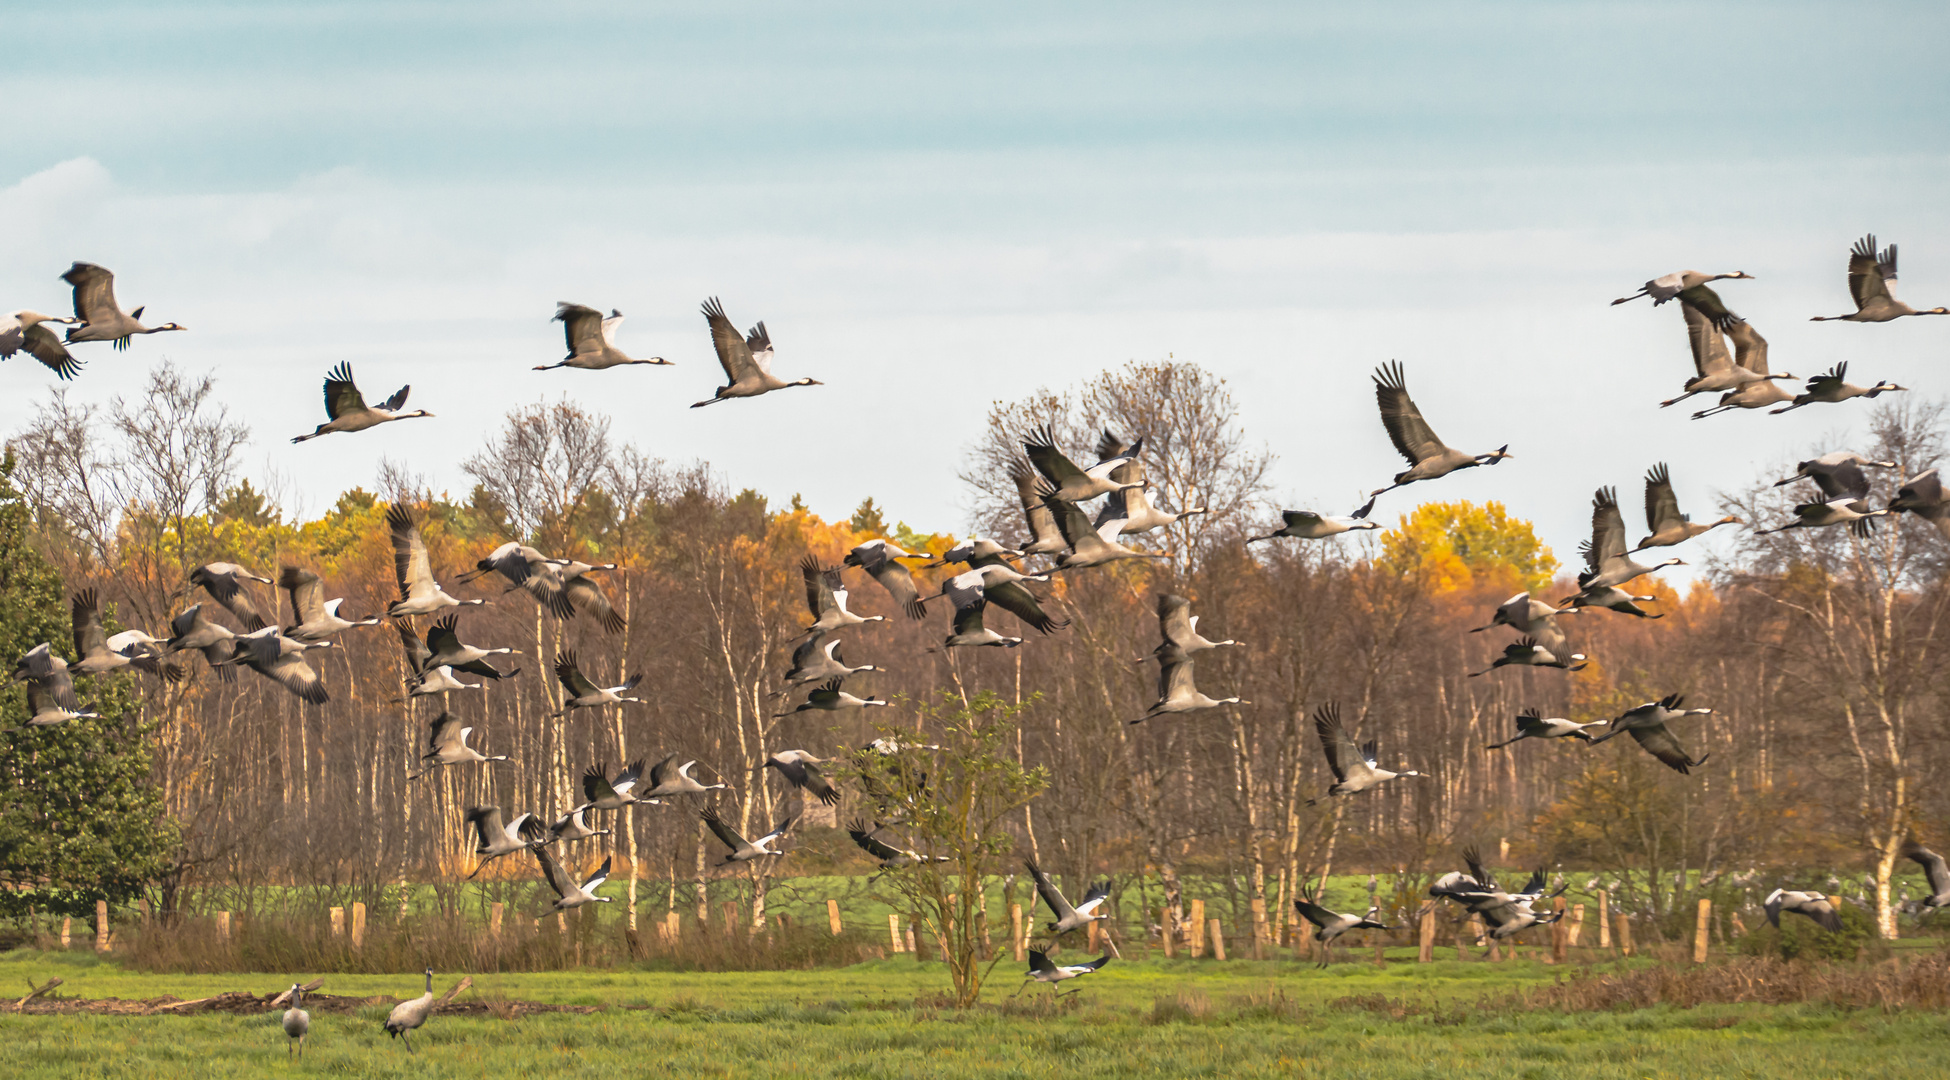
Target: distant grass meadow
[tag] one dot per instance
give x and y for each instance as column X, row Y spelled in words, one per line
column 1450, row 1019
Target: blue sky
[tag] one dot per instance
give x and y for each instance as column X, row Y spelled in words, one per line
column 932, row 206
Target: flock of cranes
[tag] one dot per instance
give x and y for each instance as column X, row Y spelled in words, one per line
column 1053, row 490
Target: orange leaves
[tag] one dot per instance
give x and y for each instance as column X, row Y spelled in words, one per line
column 1455, row 546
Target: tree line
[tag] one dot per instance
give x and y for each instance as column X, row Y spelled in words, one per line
column 1818, row 651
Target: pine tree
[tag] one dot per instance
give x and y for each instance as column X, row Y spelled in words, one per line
column 80, row 819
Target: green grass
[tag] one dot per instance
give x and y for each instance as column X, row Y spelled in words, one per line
column 1155, row 1018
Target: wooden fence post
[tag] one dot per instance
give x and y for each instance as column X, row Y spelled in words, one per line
column 914, row 943
column 1622, row 931
column 1560, row 934
column 833, row 917
column 1259, row 927
column 1218, row 939
column 730, row 910
column 894, row 932
column 496, row 912
column 1700, row 929
column 1094, row 938
column 675, row 921
column 1198, row 929
column 1577, row 924
column 1604, row 920
column 1165, row 936
column 223, row 927
column 1426, row 953
column 358, row 924
column 337, row 916
column 1017, row 941
column 67, row 926
column 101, row 926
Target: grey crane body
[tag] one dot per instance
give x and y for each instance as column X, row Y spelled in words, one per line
column 296, row 1022
column 282, row 660
column 1648, row 726
column 1836, row 471
column 218, row 643
column 1832, row 386
column 971, row 548
column 1663, row 521
column 1353, row 765
column 318, row 618
column 801, row 770
column 668, row 778
column 1528, row 652
column 570, row 893
column 1923, row 496
column 1044, row 537
column 573, row 825
column 971, row 585
column 1064, row 480
column 1871, row 277
column 225, row 584
column 1532, row 724
column 97, row 654
column 1330, row 924
column 97, row 315
column 1177, row 693
column 525, row 568
column 1133, row 504
column 830, row 698
column 887, row 855
column 584, row 594
column 580, row 693
column 1845, row 497
column 1531, row 618
column 1610, row 598
column 1014, row 598
column 1715, row 368
column 743, row 850
column 1936, row 873
column 27, row 330
column 747, row 361
column 971, row 631
column 1606, row 561
column 495, row 838
column 1308, row 525
column 410, row 1015
column 1667, row 286
column 1044, row 970
column 1428, row 457
column 1069, row 917
column 1178, row 627
column 447, row 745
column 1750, row 352
column 591, row 339
column 878, row 559
column 1814, row 905
column 826, row 598
column 817, row 659
column 445, row 649
column 346, row 409
column 600, row 791
column 419, row 593
column 1089, row 546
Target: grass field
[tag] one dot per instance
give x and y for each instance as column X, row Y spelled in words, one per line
column 1157, row 1018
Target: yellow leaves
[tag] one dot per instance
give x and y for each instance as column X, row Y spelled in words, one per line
column 1456, row 546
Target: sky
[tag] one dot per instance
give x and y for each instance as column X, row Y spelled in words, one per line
column 936, row 206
